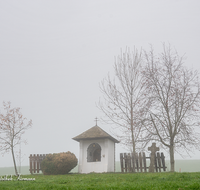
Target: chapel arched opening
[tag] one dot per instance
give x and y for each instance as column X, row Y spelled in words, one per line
column 94, row 153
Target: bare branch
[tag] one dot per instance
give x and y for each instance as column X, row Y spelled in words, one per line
column 123, row 98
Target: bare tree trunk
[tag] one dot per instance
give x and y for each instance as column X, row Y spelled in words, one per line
column 16, row 172
column 132, row 135
column 133, row 140
column 172, row 162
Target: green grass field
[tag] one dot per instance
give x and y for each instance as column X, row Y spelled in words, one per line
column 136, row 181
column 167, row 180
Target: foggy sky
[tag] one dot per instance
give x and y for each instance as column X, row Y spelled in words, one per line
column 54, row 54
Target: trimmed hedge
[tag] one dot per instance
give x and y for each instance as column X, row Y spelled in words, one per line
column 60, row 163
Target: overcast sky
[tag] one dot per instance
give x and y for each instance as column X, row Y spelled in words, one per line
column 53, row 54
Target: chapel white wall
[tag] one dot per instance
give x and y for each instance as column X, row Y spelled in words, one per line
column 107, row 157
column 111, row 156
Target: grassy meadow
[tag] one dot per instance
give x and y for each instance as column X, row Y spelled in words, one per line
column 187, row 176
column 109, row 181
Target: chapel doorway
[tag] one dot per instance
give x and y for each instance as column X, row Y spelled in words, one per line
column 94, row 153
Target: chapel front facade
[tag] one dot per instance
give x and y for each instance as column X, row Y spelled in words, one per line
column 96, row 151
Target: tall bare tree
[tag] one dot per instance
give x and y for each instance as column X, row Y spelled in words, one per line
column 122, row 98
column 12, row 126
column 173, row 102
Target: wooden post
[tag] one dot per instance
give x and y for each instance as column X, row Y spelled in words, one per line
column 129, row 162
column 38, row 162
column 41, row 158
column 140, row 161
column 121, row 161
column 125, row 159
column 156, row 167
column 133, row 161
column 144, row 161
column 163, row 161
column 34, row 164
column 30, row 161
column 159, row 161
column 136, row 161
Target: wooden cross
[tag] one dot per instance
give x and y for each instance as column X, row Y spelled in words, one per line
column 96, row 119
column 153, row 150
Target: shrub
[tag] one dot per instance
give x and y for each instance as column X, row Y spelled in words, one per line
column 61, row 163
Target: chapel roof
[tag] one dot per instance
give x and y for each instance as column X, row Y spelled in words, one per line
column 94, row 133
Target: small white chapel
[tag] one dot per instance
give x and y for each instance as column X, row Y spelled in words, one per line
column 97, row 151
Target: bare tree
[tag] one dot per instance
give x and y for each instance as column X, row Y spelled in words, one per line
column 173, row 102
column 12, row 127
column 122, row 98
